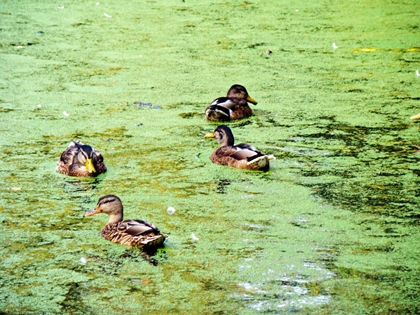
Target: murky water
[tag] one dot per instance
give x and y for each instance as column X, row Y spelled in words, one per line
column 332, row 228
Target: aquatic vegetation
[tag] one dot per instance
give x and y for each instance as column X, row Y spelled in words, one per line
column 332, row 227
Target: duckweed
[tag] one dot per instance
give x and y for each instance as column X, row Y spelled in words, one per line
column 331, row 228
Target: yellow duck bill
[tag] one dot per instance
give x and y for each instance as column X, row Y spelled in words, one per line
column 90, row 167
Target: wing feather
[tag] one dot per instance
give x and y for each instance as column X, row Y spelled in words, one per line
column 244, row 154
column 137, row 227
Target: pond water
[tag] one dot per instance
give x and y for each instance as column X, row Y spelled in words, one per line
column 331, row 228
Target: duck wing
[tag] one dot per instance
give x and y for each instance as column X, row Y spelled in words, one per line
column 137, row 227
column 246, row 146
column 239, row 152
column 224, row 102
column 245, row 151
column 99, row 162
column 246, row 155
column 68, row 155
column 229, row 102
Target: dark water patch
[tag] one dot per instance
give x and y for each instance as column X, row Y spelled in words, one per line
column 222, row 185
column 74, row 185
column 110, row 264
column 380, row 186
column 73, row 302
column 365, row 198
column 265, row 244
column 387, row 304
column 6, row 110
column 190, row 115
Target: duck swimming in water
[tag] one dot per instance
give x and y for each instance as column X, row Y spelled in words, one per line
column 137, row 233
column 233, row 106
column 241, row 155
column 80, row 160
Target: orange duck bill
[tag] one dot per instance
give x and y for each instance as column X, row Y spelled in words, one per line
column 96, row 210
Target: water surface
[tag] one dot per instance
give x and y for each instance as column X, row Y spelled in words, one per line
column 332, row 228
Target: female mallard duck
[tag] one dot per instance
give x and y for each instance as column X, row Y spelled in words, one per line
column 80, row 160
column 233, row 106
column 241, row 155
column 137, row 233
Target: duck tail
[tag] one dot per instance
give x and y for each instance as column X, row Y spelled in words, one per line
column 216, row 112
column 271, row 157
column 259, row 161
column 153, row 241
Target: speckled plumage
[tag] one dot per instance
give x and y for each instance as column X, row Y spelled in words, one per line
column 136, row 233
column 242, row 155
column 233, row 106
column 120, row 233
column 80, row 160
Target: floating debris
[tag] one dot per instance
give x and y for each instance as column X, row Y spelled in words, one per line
column 194, row 238
column 15, row 188
column 39, row 105
column 83, row 261
column 170, row 210
column 107, row 15
column 60, row 6
column 267, row 53
column 417, row 73
column 65, row 114
column 415, row 117
column 334, row 46
column 357, row 50
column 139, row 124
column 19, row 47
column 143, row 104
column 147, row 105
column 40, row 32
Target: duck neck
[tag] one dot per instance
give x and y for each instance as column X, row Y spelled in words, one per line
column 228, row 139
column 229, row 142
column 115, row 218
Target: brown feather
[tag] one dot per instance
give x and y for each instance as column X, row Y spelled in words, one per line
column 233, row 106
column 116, row 233
column 136, row 233
column 69, row 164
column 242, row 156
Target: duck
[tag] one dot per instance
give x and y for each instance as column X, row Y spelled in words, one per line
column 135, row 233
column 243, row 155
column 233, row 106
column 80, row 160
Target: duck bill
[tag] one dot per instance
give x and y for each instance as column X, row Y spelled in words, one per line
column 415, row 117
column 89, row 166
column 93, row 212
column 210, row 135
column 251, row 100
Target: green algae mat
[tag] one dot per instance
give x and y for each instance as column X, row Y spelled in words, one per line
column 331, row 228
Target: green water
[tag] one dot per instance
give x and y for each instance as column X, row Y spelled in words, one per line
column 332, row 228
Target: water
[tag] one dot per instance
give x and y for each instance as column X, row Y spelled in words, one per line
column 332, row 228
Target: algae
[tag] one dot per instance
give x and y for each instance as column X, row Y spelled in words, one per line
column 332, row 227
